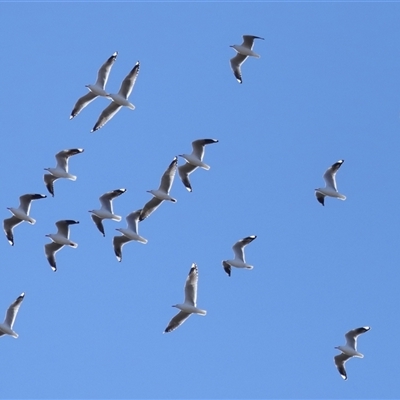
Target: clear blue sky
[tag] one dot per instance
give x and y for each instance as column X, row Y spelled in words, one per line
column 327, row 87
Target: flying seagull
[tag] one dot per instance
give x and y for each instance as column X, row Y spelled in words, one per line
column 119, row 100
column 162, row 193
column 239, row 260
column 6, row 328
column 59, row 240
column 330, row 188
column 188, row 307
column 128, row 234
column 194, row 160
column 106, row 210
column 349, row 349
column 98, row 89
column 243, row 51
column 20, row 214
column 61, row 169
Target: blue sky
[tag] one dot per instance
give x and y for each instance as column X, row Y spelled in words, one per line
column 326, row 87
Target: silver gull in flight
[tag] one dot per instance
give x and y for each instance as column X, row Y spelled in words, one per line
column 6, row 328
column 349, row 349
column 59, row 240
column 20, row 214
column 128, row 234
column 98, row 89
column 119, row 99
column 61, row 169
column 162, row 193
column 188, row 307
column 330, row 188
column 239, row 260
column 243, row 51
column 194, row 161
column 106, row 210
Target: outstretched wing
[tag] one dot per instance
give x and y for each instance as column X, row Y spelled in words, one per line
column 106, row 115
column 176, row 321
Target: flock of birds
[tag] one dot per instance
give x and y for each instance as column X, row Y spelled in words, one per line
column 193, row 161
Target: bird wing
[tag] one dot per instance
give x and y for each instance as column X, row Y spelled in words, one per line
column 176, row 321
column 25, row 201
column 82, row 103
column 99, row 223
column 63, row 226
column 133, row 219
column 330, row 175
column 107, row 198
column 49, row 182
column 12, row 311
column 198, row 147
column 351, row 336
column 236, row 62
column 63, row 156
column 104, row 71
column 118, row 242
column 168, row 177
column 248, row 40
column 50, row 250
column 191, row 285
column 227, row 267
column 320, row 197
column 150, row 207
column 184, row 171
column 106, row 115
column 8, row 225
column 340, row 360
column 129, row 81
column 238, row 247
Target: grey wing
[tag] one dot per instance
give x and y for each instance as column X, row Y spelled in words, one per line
column 63, row 226
column 248, row 40
column 238, row 247
column 107, row 198
column 168, row 177
column 49, row 182
column 340, row 360
column 184, row 171
column 106, row 115
column 118, row 242
column 227, row 267
column 176, row 321
column 25, row 201
column 13, row 310
column 149, row 208
column 320, row 197
column 63, row 156
column 191, row 285
column 351, row 336
column 198, row 146
column 104, row 71
column 330, row 175
column 129, row 81
column 99, row 223
column 8, row 225
column 50, row 250
column 236, row 62
column 82, row 103
column 132, row 219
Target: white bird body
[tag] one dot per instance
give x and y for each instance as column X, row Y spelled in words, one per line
column 160, row 194
column 349, row 351
column 239, row 263
column 7, row 330
column 21, row 215
column 192, row 159
column 327, row 191
column 120, row 100
column 129, row 233
column 104, row 214
column 189, row 308
column 97, row 90
column 60, row 239
column 245, row 51
column 61, row 173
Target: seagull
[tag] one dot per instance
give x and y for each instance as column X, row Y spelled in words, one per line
column 61, row 169
column 119, row 100
column 330, row 184
column 20, row 214
column 106, row 210
column 194, row 160
column 243, row 51
column 11, row 314
column 349, row 350
column 162, row 193
column 128, row 234
column 60, row 239
column 239, row 260
column 97, row 89
column 189, row 305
